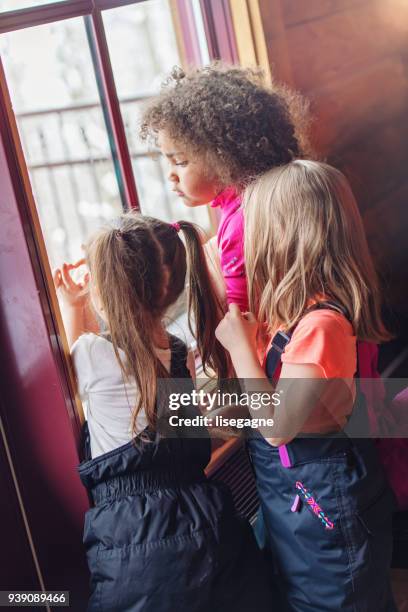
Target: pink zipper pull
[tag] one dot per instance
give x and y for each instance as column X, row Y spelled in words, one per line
column 296, row 504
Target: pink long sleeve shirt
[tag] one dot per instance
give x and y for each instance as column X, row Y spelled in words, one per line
column 230, row 237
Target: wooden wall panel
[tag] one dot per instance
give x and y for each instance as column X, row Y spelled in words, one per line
column 327, row 49
column 387, row 231
column 376, row 163
column 382, row 220
column 350, row 57
column 276, row 40
column 363, row 100
column 299, row 11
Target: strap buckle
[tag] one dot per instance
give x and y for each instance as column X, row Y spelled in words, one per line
column 280, row 340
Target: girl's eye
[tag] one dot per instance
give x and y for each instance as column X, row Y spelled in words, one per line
column 182, row 163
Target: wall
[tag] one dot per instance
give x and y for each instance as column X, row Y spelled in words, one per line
column 350, row 57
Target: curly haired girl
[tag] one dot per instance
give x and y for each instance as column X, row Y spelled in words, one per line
column 219, row 127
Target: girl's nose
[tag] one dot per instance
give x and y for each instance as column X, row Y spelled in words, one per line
column 172, row 176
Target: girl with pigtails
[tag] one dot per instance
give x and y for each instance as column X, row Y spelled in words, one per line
column 160, row 537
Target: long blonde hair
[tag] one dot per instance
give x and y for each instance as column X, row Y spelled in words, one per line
column 139, row 269
column 304, row 240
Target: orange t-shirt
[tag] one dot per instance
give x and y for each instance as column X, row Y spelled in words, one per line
column 325, row 338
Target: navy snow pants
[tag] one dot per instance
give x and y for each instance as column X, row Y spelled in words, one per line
column 327, row 522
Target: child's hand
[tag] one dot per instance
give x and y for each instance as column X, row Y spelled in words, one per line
column 71, row 293
column 237, row 331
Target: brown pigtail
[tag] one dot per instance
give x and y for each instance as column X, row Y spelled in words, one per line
column 127, row 268
column 139, row 272
column 204, row 308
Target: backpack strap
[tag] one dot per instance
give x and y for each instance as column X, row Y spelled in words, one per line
column 278, row 346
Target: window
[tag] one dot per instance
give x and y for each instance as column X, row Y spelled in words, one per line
column 140, row 65
column 59, row 114
column 77, row 72
column 60, row 107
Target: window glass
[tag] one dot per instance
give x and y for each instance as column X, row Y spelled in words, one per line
column 53, row 89
column 143, row 49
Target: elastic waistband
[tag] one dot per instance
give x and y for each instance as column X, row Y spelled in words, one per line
column 143, row 481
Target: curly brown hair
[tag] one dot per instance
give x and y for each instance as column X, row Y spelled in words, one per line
column 227, row 116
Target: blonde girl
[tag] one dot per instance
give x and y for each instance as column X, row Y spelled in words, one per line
column 326, row 505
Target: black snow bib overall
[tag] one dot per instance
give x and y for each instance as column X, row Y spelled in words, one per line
column 163, row 538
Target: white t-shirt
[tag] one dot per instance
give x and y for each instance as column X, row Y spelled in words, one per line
column 108, row 400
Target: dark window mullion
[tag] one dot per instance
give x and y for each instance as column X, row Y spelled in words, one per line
column 111, row 109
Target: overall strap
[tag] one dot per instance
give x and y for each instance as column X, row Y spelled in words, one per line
column 278, row 346
column 282, row 338
column 273, row 359
column 85, row 444
column 179, row 353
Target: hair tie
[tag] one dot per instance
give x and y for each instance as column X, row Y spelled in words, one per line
column 176, row 226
